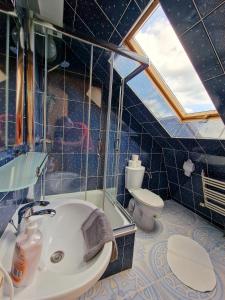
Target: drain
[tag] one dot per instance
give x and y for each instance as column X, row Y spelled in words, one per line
column 57, row 256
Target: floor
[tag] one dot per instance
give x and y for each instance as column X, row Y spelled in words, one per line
column 150, row 277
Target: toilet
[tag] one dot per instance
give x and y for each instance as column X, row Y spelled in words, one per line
column 147, row 205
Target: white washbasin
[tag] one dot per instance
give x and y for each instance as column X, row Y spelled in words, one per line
column 70, row 277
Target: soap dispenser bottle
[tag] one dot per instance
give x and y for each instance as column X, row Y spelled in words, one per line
column 27, row 255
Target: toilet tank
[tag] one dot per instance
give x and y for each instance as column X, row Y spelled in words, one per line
column 134, row 177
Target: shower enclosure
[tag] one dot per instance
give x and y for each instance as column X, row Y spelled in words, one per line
column 78, row 101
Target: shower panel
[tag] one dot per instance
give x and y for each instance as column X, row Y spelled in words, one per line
column 9, row 73
column 78, row 111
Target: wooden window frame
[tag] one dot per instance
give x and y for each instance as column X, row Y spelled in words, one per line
column 157, row 79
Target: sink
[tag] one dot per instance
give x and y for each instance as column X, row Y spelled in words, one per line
column 62, row 273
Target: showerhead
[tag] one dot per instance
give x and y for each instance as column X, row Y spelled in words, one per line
column 64, row 64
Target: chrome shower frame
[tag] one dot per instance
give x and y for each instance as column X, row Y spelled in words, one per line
column 114, row 50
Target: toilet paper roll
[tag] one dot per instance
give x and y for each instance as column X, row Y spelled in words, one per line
column 132, row 164
column 135, row 157
column 138, row 163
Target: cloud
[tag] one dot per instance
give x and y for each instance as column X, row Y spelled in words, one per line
column 159, row 41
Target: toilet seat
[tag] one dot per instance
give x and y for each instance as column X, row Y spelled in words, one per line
column 147, row 197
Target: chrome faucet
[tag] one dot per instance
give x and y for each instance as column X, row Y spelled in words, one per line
column 27, row 211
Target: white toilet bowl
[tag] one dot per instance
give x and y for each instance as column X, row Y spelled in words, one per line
column 147, row 206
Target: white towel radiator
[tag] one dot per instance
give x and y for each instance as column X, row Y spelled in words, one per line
column 214, row 194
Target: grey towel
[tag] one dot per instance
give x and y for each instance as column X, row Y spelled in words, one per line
column 97, row 231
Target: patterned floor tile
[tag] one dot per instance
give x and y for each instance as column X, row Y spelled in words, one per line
column 151, row 277
column 208, row 236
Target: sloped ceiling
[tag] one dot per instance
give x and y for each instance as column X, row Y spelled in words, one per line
column 201, row 29
column 200, row 25
column 108, row 20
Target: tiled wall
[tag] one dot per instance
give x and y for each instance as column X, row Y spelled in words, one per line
column 8, row 201
column 188, row 190
column 111, row 22
column 67, row 110
column 67, row 129
column 141, row 134
column 200, row 27
column 205, row 153
column 125, row 246
column 105, row 20
column 135, row 140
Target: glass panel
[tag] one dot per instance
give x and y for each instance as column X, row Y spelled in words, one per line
column 8, row 73
column 157, row 105
column 98, row 96
column 150, row 96
column 66, row 107
column 160, row 43
column 3, row 78
column 10, row 173
column 124, row 66
column 75, row 98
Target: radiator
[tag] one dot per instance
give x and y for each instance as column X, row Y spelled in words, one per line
column 214, row 194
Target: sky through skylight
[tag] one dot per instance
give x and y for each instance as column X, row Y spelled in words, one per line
column 160, row 43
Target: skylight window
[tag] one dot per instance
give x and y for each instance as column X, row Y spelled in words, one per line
column 170, row 67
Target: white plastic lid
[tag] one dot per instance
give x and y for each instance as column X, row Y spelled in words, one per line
column 148, row 198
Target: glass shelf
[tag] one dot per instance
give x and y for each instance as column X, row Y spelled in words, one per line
column 22, row 172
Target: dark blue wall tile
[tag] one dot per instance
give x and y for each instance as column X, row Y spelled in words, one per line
column 154, row 181
column 134, row 143
column 129, row 17
column 146, row 143
column 181, row 157
column 155, row 162
column 93, row 17
column 212, row 147
column 113, row 11
column 215, row 27
column 215, row 87
column 164, row 194
column 181, row 16
column 203, row 58
column 175, row 191
column 172, row 175
column 156, row 148
column 184, row 180
column 163, row 182
column 169, row 156
column 176, row 144
column 192, row 145
column 142, row 3
column 123, row 161
column 135, row 127
column 163, row 142
column 71, row 185
column 124, row 144
column 128, row 257
column 206, row 6
column 205, row 212
column 150, row 127
column 187, row 197
column 197, row 184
